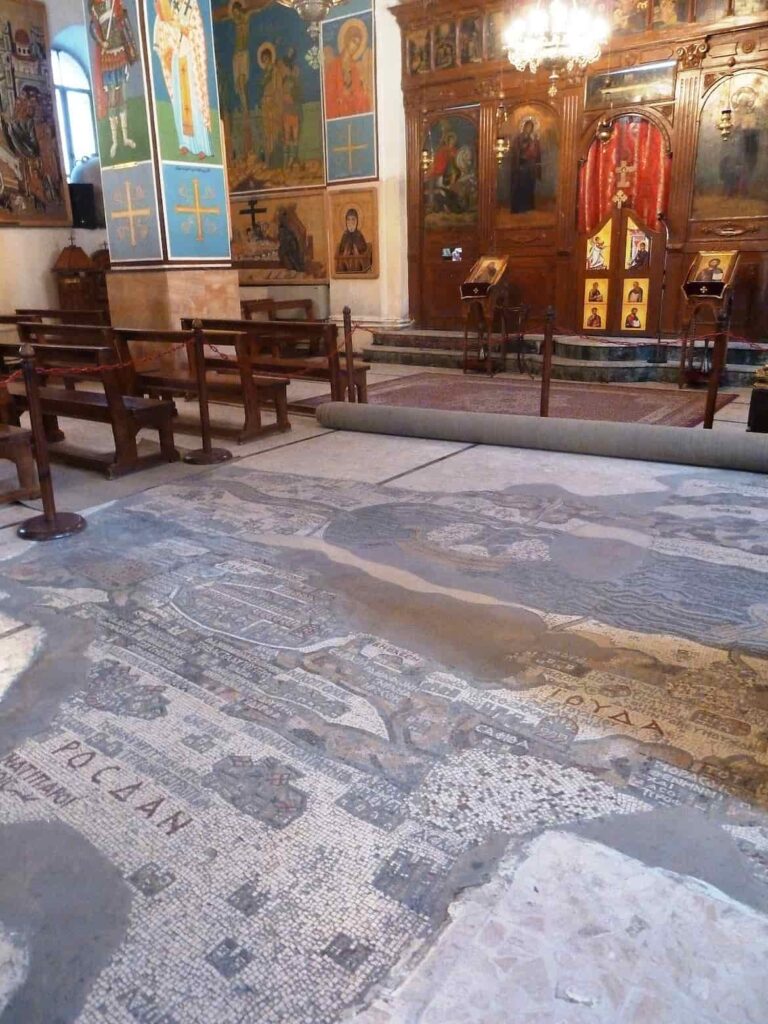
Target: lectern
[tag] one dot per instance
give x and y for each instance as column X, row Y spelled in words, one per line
column 483, row 296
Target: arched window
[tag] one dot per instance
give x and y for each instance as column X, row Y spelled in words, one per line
column 74, row 109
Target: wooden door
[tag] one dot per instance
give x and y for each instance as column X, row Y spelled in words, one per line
column 620, row 282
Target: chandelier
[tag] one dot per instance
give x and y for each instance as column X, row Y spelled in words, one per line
column 313, row 11
column 560, row 35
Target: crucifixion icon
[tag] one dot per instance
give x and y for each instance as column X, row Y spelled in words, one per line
column 622, row 174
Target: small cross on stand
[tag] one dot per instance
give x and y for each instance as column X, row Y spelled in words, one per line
column 619, row 198
column 251, row 211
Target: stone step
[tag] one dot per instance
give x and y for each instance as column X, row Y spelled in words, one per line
column 739, row 352
column 567, row 346
column 637, row 371
column 407, row 356
column 563, row 368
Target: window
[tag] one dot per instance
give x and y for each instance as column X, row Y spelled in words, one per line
column 73, row 106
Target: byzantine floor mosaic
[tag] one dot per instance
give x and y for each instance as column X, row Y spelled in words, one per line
column 487, row 743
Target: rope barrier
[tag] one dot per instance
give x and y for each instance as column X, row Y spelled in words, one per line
column 74, row 371
column 146, row 361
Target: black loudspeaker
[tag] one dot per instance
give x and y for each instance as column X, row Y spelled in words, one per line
column 83, row 202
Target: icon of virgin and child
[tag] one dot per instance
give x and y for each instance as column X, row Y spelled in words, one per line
column 525, row 154
column 180, row 43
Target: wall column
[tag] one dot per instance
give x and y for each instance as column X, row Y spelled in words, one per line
column 161, row 150
column 383, row 302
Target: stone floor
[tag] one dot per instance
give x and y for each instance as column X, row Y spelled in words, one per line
column 382, row 730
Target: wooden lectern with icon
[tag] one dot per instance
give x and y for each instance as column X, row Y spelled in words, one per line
column 707, row 292
column 483, row 297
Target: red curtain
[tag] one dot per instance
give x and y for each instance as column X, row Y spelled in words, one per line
column 641, row 146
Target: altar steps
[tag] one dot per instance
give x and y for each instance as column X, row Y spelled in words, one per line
column 596, row 360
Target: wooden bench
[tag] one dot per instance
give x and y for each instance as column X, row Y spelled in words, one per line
column 90, row 335
column 274, row 348
column 86, row 317
column 247, row 388
column 124, row 412
column 272, row 308
column 16, row 446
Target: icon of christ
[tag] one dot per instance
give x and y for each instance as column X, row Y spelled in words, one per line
column 179, row 40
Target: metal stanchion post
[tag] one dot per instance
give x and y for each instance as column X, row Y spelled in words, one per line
column 51, row 524
column 207, row 455
column 350, row 355
column 659, row 354
column 718, row 362
column 546, row 364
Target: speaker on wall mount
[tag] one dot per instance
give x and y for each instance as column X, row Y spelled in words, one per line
column 83, row 200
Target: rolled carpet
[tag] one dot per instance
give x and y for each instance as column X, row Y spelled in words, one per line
column 687, row 447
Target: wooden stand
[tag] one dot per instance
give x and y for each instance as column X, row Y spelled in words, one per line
column 718, row 364
column 713, row 299
column 51, row 525
column 480, row 316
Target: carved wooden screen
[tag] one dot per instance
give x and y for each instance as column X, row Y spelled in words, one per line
column 450, row 208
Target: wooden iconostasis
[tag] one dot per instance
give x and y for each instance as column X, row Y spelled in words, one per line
column 669, row 71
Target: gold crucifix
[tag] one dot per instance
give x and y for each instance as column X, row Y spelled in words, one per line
column 349, row 149
column 130, row 214
column 622, row 174
column 197, row 210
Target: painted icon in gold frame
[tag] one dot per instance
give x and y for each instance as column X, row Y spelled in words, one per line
column 354, row 233
column 599, row 249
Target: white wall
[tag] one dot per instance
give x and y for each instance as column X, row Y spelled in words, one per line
column 27, row 254
column 382, row 302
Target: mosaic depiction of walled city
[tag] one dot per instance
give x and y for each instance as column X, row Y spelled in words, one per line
column 273, row 726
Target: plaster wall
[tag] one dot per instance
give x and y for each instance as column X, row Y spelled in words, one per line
column 382, row 302
column 27, row 254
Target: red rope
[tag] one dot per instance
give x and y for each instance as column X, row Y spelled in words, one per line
column 74, row 371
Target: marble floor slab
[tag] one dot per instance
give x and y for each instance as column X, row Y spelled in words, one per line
column 369, row 458
column 574, row 932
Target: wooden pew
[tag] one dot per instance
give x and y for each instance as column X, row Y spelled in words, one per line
column 274, row 348
column 271, row 309
column 97, row 317
column 16, row 446
column 115, row 405
column 250, row 389
column 93, row 335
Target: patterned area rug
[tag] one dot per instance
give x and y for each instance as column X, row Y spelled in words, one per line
column 667, row 406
